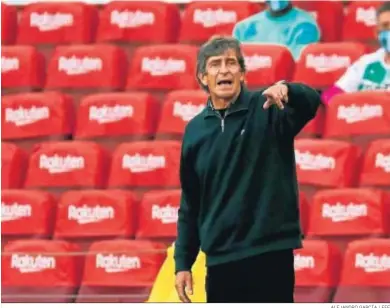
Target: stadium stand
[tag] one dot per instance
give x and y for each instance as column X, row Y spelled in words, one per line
column 95, row 99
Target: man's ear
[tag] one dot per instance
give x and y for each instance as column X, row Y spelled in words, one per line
column 203, row 79
column 242, row 78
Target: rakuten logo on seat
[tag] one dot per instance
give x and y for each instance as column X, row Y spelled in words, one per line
column 15, row 211
column 87, row 214
column 59, row 164
column 309, row 161
column 383, row 161
column 303, row 262
column 9, row 64
column 372, row 263
column 256, row 62
column 352, row 114
column 25, row 116
column 211, row 18
column 50, row 22
column 186, row 111
column 339, row 212
column 109, row 114
column 79, row 66
column 366, row 16
column 131, row 19
column 138, row 163
column 323, row 63
column 32, row 264
column 162, row 67
column 115, row 264
column 166, row 214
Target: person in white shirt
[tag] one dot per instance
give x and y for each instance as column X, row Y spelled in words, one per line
column 370, row 72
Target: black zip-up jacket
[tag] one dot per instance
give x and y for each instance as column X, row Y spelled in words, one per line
column 238, row 177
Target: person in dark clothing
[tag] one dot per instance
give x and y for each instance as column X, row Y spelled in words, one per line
column 239, row 201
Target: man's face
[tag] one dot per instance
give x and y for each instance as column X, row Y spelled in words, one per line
column 383, row 21
column 223, row 75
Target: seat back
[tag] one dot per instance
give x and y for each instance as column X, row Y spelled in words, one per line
column 40, row 271
column 14, row 162
column 317, row 267
column 120, row 271
column 85, row 216
column 30, row 118
column 365, row 276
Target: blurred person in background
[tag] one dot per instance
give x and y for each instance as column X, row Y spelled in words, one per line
column 370, row 72
column 239, row 187
column 281, row 23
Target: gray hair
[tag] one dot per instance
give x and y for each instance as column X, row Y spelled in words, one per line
column 216, row 46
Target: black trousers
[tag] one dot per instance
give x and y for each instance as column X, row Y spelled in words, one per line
column 265, row 278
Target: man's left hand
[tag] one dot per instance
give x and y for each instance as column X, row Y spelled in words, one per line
column 276, row 95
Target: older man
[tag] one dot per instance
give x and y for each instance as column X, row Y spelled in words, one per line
column 239, row 187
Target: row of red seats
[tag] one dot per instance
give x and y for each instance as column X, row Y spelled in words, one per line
column 29, row 117
column 89, row 214
column 116, row 270
column 321, row 163
column 160, row 22
column 92, row 214
column 166, row 67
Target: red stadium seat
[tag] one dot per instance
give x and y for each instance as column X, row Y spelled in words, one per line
column 89, row 215
column 48, row 24
column 163, row 68
column 157, row 215
column 28, row 118
column 178, row 108
column 8, row 24
column 376, row 165
column 360, row 21
column 146, row 165
column 120, row 271
column 40, row 271
column 343, row 215
column 322, row 64
column 86, row 69
column 26, row 214
column 365, row 275
column 203, row 19
column 325, row 164
column 22, row 69
column 329, row 16
column 267, row 64
column 139, row 22
column 113, row 118
column 13, row 165
column 317, row 267
column 59, row 166
column 358, row 117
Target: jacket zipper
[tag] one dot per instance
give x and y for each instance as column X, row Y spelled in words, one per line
column 222, row 119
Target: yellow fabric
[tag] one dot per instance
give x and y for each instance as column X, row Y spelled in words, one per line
column 163, row 290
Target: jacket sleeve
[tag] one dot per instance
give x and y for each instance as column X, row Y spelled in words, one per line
column 302, row 106
column 187, row 242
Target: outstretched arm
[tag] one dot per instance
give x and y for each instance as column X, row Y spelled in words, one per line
column 298, row 104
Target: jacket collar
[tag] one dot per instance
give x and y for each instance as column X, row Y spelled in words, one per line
column 240, row 103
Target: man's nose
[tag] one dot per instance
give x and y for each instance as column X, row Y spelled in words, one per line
column 223, row 69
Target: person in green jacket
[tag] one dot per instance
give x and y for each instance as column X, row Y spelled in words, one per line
column 239, row 201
